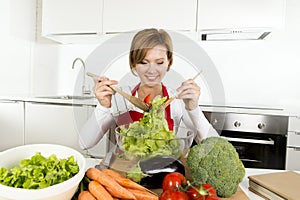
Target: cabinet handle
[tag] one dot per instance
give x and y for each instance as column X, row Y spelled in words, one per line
column 9, row 101
column 296, row 148
column 58, row 104
column 297, row 133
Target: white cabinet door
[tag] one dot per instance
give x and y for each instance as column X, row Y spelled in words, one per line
column 54, row 123
column 71, row 16
column 11, row 124
column 222, row 14
column 293, row 144
column 120, row 15
column 294, row 124
column 292, row 159
column 293, row 139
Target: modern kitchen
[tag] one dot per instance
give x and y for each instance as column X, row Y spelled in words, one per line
column 247, row 52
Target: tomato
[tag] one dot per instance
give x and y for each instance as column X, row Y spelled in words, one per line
column 147, row 99
column 210, row 189
column 173, row 181
column 173, row 195
column 194, row 193
column 204, row 192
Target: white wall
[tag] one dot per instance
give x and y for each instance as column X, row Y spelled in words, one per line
column 17, row 36
column 256, row 73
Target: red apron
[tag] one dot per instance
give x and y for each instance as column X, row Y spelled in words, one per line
column 132, row 116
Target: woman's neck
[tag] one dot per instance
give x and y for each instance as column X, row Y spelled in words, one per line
column 144, row 90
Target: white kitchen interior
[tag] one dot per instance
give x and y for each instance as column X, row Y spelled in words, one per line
column 37, row 54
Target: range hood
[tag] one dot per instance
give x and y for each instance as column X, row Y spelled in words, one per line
column 239, row 19
column 234, row 34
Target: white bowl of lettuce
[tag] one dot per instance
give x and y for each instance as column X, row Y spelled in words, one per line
column 40, row 171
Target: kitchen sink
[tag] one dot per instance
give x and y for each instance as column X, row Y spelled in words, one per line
column 68, row 97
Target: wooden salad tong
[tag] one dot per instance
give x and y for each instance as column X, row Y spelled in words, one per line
column 132, row 99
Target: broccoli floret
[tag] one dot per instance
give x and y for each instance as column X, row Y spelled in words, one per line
column 215, row 161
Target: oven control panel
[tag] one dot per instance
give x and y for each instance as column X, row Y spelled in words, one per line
column 253, row 123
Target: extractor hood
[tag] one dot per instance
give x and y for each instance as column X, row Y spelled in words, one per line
column 234, row 34
column 239, row 19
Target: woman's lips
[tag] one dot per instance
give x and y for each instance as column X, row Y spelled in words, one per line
column 152, row 78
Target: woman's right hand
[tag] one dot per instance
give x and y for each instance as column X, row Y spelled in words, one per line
column 102, row 90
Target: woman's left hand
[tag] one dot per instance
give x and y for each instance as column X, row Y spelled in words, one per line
column 189, row 92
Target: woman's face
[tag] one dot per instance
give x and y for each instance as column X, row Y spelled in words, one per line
column 153, row 67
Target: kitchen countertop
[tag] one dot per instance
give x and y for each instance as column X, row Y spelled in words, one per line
column 246, row 110
column 90, row 162
column 92, row 101
column 54, row 99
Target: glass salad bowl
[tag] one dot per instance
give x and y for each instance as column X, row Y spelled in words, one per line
column 136, row 143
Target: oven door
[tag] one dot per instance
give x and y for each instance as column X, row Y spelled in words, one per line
column 259, row 150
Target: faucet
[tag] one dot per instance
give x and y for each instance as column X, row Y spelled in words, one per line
column 85, row 90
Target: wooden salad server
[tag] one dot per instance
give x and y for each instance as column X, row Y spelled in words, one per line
column 132, row 99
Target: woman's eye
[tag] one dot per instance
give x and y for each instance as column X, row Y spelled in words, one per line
column 160, row 63
column 143, row 62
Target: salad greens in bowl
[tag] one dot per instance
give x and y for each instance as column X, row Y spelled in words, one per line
column 40, row 171
column 151, row 136
column 136, row 145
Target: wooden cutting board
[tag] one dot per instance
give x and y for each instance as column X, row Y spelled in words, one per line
column 123, row 166
column 239, row 195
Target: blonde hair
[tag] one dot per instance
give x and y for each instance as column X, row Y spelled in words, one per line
column 147, row 39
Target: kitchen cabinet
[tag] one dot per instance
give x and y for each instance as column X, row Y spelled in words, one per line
column 71, row 17
column 57, row 123
column 239, row 20
column 11, row 124
column 293, row 144
column 230, row 14
column 77, row 21
column 120, row 15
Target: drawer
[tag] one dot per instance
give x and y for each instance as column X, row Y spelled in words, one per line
column 292, row 159
column 293, row 139
column 294, row 123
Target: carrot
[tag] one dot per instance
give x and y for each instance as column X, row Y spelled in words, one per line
column 123, row 181
column 143, row 195
column 86, row 195
column 112, row 173
column 99, row 191
column 115, row 189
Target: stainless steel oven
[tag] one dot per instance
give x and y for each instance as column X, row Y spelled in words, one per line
column 260, row 140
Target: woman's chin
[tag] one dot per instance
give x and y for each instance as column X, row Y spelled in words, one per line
column 152, row 83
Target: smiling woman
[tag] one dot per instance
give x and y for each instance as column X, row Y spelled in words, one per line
column 150, row 59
